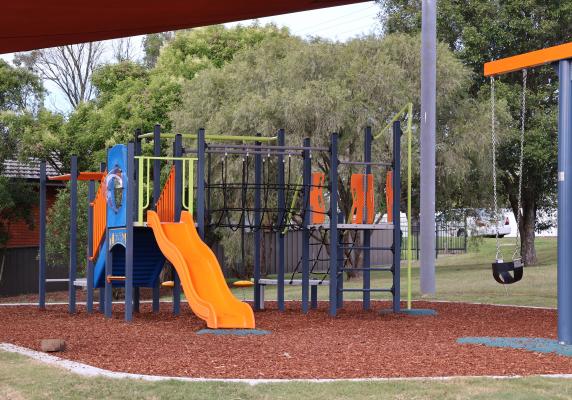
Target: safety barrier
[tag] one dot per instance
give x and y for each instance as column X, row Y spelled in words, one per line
column 168, row 195
column 99, row 207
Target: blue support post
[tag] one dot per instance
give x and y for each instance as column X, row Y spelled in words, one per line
column 340, row 263
column 156, row 195
column 90, row 264
column 73, row 235
column 178, row 152
column 129, row 233
column 134, row 187
column 42, row 255
column 307, row 180
column 257, row 222
column 396, row 264
column 565, row 204
column 333, row 224
column 282, row 209
column 101, row 303
column 201, row 147
column 366, row 233
column 108, row 295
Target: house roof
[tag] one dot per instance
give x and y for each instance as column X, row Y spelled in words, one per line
column 26, row 169
column 34, row 24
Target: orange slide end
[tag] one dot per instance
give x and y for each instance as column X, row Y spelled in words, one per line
column 201, row 276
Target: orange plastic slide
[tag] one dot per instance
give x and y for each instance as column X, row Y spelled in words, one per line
column 200, row 273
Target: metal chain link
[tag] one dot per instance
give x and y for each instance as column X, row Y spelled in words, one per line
column 498, row 255
column 517, row 247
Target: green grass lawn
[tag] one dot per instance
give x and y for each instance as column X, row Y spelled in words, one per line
column 464, row 277
column 23, row 378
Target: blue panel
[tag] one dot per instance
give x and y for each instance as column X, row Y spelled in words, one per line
column 147, row 261
column 117, row 175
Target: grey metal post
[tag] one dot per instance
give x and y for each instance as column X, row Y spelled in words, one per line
column 201, row 183
column 307, row 179
column 90, row 263
column 366, row 233
column 156, row 195
column 333, row 223
column 129, row 233
column 134, row 187
column 178, row 152
column 257, row 222
column 100, row 307
column 428, row 111
column 280, row 237
column 396, row 264
column 565, row 204
column 73, row 234
column 42, row 255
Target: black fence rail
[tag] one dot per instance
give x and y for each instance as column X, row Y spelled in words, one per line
column 450, row 238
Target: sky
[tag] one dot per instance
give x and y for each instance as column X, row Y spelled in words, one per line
column 335, row 23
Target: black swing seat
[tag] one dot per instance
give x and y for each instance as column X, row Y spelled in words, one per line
column 507, row 272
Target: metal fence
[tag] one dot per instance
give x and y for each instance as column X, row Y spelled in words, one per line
column 450, row 238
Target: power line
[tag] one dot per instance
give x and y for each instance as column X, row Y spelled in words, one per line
column 313, row 27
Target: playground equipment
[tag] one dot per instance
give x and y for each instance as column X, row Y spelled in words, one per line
column 508, row 272
column 561, row 57
column 128, row 250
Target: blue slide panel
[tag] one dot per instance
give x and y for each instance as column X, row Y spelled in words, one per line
column 147, row 261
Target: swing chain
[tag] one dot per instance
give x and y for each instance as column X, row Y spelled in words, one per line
column 498, row 255
column 517, row 247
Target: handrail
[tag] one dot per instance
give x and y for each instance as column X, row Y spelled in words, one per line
column 220, row 138
column 144, row 195
column 99, row 206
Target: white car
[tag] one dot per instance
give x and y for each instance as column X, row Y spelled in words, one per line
column 481, row 222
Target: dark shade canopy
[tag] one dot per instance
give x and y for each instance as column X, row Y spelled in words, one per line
column 33, row 24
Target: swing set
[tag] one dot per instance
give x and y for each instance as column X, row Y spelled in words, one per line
column 561, row 58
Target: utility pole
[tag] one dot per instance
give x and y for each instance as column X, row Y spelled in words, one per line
column 428, row 112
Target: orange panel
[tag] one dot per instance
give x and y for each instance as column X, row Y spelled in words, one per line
column 317, row 202
column 83, row 176
column 358, row 198
column 99, row 206
column 529, row 60
column 166, row 202
column 389, row 195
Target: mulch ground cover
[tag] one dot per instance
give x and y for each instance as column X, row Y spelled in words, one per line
column 355, row 344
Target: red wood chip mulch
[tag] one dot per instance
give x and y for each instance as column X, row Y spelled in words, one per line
column 354, row 344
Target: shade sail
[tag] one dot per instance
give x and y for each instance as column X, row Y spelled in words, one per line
column 33, row 24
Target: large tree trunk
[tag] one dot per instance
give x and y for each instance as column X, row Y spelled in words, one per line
column 527, row 225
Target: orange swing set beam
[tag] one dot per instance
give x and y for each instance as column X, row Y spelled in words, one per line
column 529, row 60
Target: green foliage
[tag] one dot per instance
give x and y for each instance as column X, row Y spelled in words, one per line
column 20, row 94
column 314, row 88
column 20, row 89
column 197, row 49
column 479, row 31
column 152, row 45
column 58, row 228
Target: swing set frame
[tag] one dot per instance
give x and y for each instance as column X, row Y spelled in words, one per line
column 561, row 57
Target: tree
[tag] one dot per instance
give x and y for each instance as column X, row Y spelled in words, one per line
column 312, row 89
column 152, row 45
column 21, row 93
column 68, row 67
column 479, row 31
